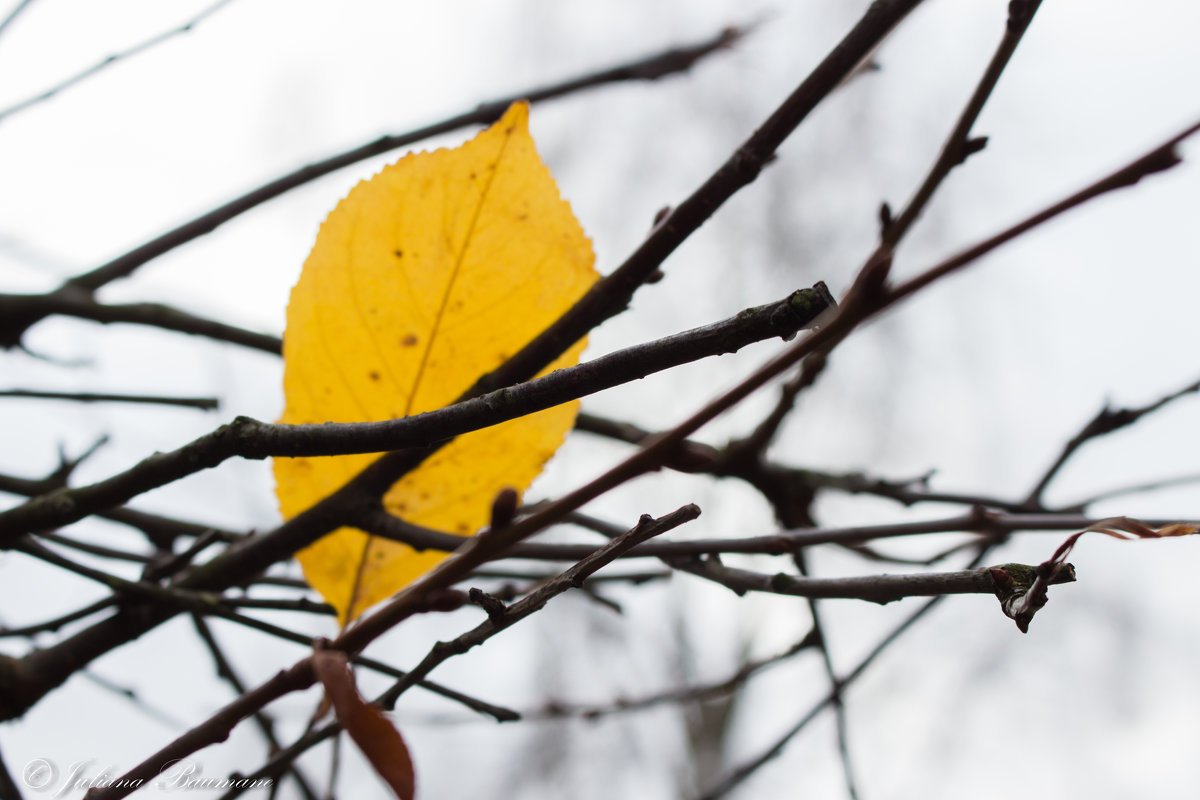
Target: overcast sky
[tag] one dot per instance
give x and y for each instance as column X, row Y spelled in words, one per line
column 982, row 378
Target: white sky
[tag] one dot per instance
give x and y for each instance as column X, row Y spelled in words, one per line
column 983, row 377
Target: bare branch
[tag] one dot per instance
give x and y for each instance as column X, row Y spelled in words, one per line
column 959, row 146
column 12, row 15
column 1138, row 488
column 204, row 403
column 20, row 311
column 835, row 684
column 300, row 675
column 683, row 694
column 786, row 542
column 1159, row 159
column 266, row 724
column 748, row 768
column 1106, row 421
column 56, row 623
column 497, row 713
column 253, row 439
column 612, row 294
column 657, row 66
column 161, row 531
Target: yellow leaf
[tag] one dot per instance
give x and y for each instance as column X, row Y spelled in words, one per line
column 426, row 276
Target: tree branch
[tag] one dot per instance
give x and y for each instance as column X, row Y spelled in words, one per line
column 748, row 768
column 959, row 146
column 873, row 588
column 1106, row 421
column 252, row 439
column 204, row 403
column 18, row 312
column 866, row 298
column 266, row 724
column 660, row 65
column 300, row 676
column 685, row 694
column 12, row 15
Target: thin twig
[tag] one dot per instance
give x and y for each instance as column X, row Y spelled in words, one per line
column 51, row 625
column 504, row 619
column 199, row 603
column 1106, row 421
column 96, row 549
column 161, row 531
column 691, row 457
column 835, row 685
column 612, row 294
column 785, row 542
column 496, row 713
column 21, row 6
column 1159, row 159
column 873, row 588
column 573, row 577
column 20, row 311
column 748, row 768
column 266, row 724
column 1137, row 488
column 684, row 694
column 300, row 675
column 632, row 578
column 959, row 146
column 105, row 62
column 207, row 403
column 134, row 699
column 762, row 436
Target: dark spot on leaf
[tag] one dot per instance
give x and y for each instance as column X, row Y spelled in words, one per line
column 398, row 253
column 463, row 528
column 373, row 375
column 473, row 176
column 522, row 217
column 402, row 506
column 409, row 340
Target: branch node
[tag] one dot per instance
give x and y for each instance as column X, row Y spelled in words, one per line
column 504, row 508
column 494, row 607
column 1022, row 589
column 970, row 147
column 885, row 219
